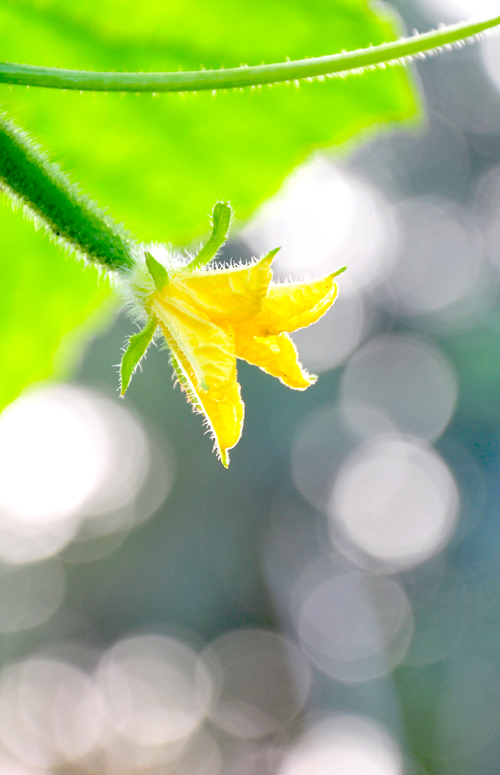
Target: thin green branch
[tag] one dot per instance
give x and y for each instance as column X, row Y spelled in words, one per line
column 395, row 52
column 221, row 221
column 48, row 196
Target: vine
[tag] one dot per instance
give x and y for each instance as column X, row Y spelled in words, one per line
column 346, row 63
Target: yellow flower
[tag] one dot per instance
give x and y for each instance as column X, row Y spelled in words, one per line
column 211, row 317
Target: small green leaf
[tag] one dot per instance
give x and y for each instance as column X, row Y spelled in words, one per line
column 221, row 221
column 157, row 272
column 137, row 346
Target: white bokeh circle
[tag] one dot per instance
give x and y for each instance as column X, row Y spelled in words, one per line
column 396, row 500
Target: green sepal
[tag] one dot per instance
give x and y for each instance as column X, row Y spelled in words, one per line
column 136, row 349
column 221, row 221
column 270, row 255
column 157, row 272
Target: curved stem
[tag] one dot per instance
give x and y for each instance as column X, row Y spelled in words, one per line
column 221, row 222
column 49, row 197
column 395, row 52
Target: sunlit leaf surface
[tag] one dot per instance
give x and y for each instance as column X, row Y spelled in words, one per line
column 160, row 162
column 49, row 305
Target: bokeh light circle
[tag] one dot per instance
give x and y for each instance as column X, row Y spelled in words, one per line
column 156, row 691
column 53, row 450
column 344, row 745
column 399, row 383
column 50, row 712
column 439, row 257
column 396, row 500
column 324, row 217
column 72, row 464
column 330, row 341
column 321, row 444
column 354, row 626
column 459, row 10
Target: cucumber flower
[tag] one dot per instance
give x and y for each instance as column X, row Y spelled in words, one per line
column 209, row 317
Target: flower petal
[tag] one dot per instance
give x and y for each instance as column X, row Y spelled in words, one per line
column 209, row 348
column 230, row 295
column 289, row 306
column 277, row 355
column 225, row 417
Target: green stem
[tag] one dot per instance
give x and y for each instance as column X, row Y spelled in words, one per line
column 221, row 221
column 395, row 52
column 51, row 199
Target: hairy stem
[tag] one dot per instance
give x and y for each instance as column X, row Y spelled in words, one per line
column 395, row 52
column 52, row 200
column 221, row 221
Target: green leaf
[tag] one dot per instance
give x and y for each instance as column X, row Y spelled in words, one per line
column 49, row 306
column 157, row 272
column 221, row 221
column 159, row 163
column 136, row 349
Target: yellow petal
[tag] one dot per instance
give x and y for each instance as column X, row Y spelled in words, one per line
column 227, row 296
column 225, row 418
column 289, row 306
column 277, row 355
column 209, row 348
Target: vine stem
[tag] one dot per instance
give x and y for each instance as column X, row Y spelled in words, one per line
column 392, row 53
column 49, row 198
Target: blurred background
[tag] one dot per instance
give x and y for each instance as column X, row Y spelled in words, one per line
column 331, row 603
